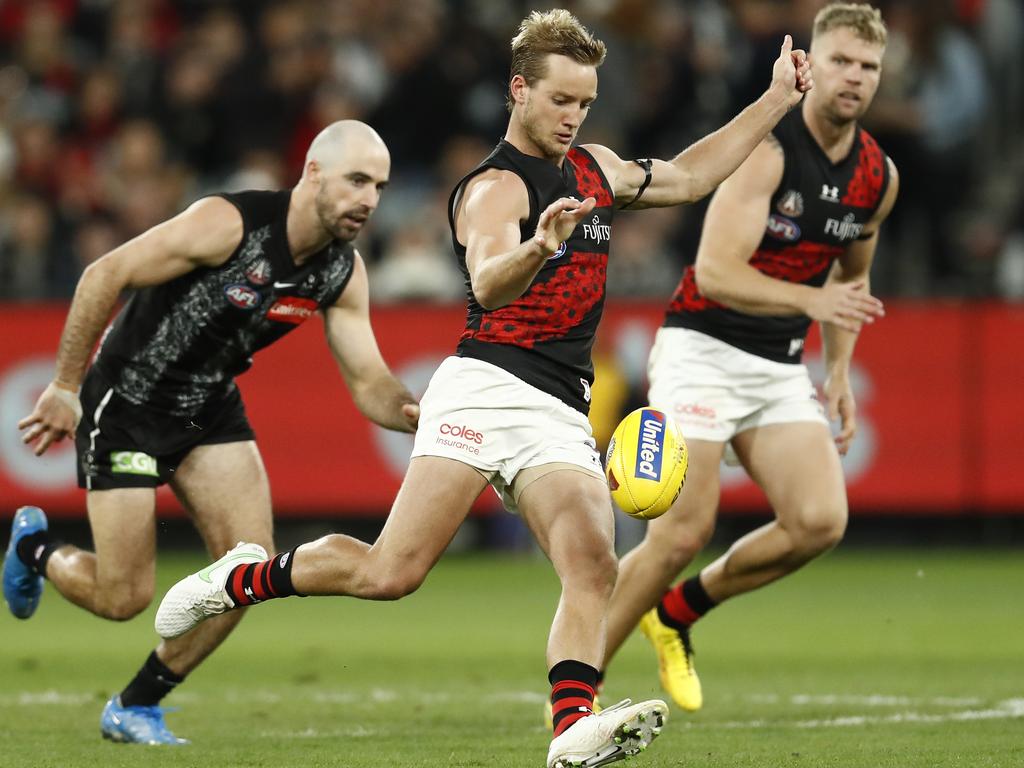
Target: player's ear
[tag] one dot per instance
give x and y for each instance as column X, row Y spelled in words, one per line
column 518, row 86
column 312, row 172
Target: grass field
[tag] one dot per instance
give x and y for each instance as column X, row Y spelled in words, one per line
column 867, row 659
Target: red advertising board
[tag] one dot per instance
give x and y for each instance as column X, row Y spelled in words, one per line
column 937, row 388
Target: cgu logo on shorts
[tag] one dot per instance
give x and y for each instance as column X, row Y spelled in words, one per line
column 649, row 445
column 132, row 463
column 470, row 435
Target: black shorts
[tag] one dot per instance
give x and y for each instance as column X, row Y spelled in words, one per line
column 123, row 445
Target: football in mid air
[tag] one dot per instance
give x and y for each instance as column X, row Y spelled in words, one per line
column 646, row 463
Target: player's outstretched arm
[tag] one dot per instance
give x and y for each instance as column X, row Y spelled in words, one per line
column 205, row 234
column 698, row 169
column 853, row 268
column 501, row 267
column 376, row 392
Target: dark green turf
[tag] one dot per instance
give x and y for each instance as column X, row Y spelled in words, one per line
column 866, row 659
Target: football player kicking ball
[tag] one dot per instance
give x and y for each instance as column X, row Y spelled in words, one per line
column 531, row 227
column 789, row 238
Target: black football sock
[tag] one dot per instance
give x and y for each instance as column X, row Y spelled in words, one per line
column 151, row 684
column 256, row 582
column 572, row 692
column 35, row 549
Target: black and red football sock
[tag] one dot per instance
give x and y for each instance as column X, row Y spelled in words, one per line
column 684, row 604
column 572, row 692
column 256, row 582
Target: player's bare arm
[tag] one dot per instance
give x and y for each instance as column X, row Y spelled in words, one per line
column 204, row 235
column 702, row 166
column 376, row 392
column 501, row 267
column 853, row 268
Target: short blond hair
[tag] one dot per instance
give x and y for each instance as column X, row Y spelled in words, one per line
column 555, row 31
column 865, row 21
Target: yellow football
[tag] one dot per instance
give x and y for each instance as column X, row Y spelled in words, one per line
column 646, row 463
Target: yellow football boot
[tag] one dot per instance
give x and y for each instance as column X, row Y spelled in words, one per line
column 675, row 661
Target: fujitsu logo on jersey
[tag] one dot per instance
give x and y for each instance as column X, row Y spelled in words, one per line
column 847, row 229
column 597, row 231
column 652, row 439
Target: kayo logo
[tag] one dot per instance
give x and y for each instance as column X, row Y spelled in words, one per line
column 470, row 435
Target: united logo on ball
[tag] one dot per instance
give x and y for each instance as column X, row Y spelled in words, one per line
column 646, row 463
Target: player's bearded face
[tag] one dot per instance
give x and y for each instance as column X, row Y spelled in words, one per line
column 339, row 214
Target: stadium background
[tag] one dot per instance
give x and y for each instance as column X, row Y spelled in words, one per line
column 115, row 114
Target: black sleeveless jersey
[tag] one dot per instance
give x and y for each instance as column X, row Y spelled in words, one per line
column 545, row 336
column 177, row 346
column 817, row 210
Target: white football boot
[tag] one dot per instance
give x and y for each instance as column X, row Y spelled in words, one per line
column 611, row 735
column 202, row 594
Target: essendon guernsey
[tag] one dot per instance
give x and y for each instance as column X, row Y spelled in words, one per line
column 545, row 336
column 817, row 210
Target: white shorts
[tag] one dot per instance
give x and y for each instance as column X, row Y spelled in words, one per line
column 483, row 416
column 715, row 391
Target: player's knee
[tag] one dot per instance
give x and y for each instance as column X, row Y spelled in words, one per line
column 675, row 548
column 595, row 572
column 396, row 584
column 123, row 604
column 821, row 531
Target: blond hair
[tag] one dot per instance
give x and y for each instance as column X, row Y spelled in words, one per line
column 865, row 21
column 555, row 31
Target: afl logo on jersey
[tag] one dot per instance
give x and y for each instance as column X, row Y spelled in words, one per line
column 791, row 204
column 242, row 296
column 782, row 228
column 559, row 253
column 259, row 273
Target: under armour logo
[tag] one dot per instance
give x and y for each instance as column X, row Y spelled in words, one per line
column 586, row 390
column 829, row 194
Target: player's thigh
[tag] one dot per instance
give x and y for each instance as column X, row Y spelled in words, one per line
column 691, row 519
column 225, row 489
column 570, row 515
column 123, row 523
column 435, row 498
column 797, row 466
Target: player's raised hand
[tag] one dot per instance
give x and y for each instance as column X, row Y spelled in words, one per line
column 55, row 417
column 839, row 404
column 558, row 221
column 846, row 305
column 791, row 74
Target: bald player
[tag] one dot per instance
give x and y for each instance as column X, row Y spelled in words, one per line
column 211, row 286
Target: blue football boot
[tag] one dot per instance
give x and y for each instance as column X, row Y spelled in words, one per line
column 22, row 587
column 136, row 725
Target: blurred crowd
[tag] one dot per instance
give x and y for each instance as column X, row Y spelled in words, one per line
column 116, row 114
